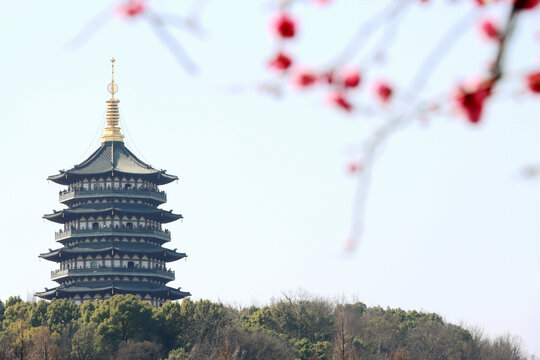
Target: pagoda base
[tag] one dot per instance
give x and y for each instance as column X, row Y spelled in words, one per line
column 83, row 291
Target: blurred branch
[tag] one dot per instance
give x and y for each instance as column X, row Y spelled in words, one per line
column 424, row 72
column 497, row 69
column 158, row 22
column 366, row 29
column 188, row 24
column 438, row 53
column 171, row 43
column 91, row 27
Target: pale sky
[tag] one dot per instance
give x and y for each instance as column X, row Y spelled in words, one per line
column 450, row 225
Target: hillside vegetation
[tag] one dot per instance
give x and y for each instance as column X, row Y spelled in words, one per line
column 299, row 327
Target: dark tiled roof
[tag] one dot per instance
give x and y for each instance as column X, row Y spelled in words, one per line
column 101, row 161
column 117, row 287
column 120, row 208
column 120, row 247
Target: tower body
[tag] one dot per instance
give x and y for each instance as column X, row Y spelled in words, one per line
column 112, row 233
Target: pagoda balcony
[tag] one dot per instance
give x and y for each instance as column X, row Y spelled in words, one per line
column 112, row 271
column 143, row 193
column 164, row 235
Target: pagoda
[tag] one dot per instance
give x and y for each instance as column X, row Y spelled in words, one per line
column 112, row 233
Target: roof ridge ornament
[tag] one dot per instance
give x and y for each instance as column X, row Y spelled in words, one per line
column 112, row 131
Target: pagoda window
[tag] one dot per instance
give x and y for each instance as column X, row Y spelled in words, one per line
column 95, row 225
column 108, row 263
column 116, row 263
column 80, row 264
column 94, row 264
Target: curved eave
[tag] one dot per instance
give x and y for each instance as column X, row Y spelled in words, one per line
column 113, row 158
column 69, row 253
column 65, row 215
column 67, row 177
column 112, row 288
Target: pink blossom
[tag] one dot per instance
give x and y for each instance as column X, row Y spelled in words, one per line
column 280, row 62
column 471, row 100
column 283, row 25
column 350, row 77
column 383, row 91
column 533, row 82
column 321, row 2
column 526, row 4
column 354, row 166
column 338, row 98
column 490, row 29
column 302, row 78
column 131, row 8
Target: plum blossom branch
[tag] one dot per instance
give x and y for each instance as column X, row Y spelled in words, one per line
column 134, row 9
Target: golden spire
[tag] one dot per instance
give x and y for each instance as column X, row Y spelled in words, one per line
column 112, row 131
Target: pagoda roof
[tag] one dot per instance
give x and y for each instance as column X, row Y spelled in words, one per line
column 118, row 247
column 113, row 208
column 113, row 288
column 112, row 157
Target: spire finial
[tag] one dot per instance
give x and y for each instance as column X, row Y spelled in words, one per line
column 112, row 87
column 112, row 131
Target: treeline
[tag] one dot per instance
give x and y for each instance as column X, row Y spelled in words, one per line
column 299, row 327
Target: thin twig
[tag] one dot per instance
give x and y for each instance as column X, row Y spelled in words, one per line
column 89, row 29
column 171, row 43
column 367, row 28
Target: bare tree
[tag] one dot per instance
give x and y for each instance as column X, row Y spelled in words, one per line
column 343, row 345
column 45, row 345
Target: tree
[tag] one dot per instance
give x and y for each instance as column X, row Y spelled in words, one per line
column 171, row 320
column 299, row 317
column 178, row 354
column 86, row 310
column 202, row 320
column 343, row 339
column 438, row 341
column 16, row 311
column 85, row 344
column 20, row 336
column 38, row 313
column 506, row 347
column 61, row 312
column 123, row 318
column 5, row 348
column 12, row 300
column 144, row 350
column 2, row 309
column 45, row 345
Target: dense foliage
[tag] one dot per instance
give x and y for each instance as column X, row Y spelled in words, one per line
column 300, row 327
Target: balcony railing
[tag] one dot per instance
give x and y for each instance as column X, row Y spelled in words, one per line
column 164, row 235
column 112, row 271
column 148, row 193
